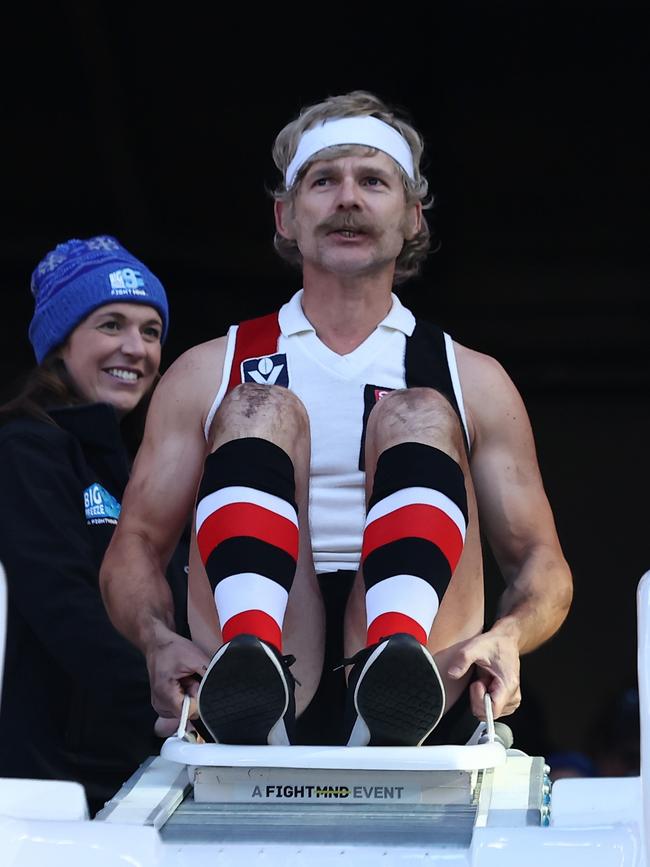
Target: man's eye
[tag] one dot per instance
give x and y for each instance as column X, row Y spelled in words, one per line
column 152, row 333
column 321, row 182
column 373, row 182
column 110, row 325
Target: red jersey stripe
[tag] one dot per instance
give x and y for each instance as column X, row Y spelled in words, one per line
column 255, row 337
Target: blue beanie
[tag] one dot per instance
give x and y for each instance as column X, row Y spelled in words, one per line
column 77, row 277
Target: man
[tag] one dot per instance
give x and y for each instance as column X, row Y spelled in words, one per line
column 339, row 435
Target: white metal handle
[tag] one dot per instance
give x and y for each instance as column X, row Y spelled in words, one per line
column 489, row 718
column 185, row 713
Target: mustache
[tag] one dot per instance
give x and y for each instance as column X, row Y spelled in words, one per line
column 345, row 223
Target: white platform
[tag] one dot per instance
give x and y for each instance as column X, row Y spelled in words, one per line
column 439, row 758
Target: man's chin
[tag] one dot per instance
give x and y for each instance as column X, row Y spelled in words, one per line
column 354, row 263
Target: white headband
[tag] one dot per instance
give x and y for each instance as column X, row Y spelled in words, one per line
column 365, row 130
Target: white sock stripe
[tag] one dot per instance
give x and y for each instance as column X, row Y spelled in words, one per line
column 406, row 594
column 418, row 496
column 248, row 590
column 240, row 494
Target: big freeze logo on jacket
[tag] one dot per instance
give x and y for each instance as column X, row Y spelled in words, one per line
column 267, row 370
column 100, row 506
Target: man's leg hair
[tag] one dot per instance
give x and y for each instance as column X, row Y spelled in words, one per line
column 247, row 533
column 413, row 539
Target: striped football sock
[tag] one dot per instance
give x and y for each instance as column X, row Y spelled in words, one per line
column 247, row 531
column 413, row 539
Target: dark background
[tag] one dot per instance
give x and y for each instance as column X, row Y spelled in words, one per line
column 157, row 127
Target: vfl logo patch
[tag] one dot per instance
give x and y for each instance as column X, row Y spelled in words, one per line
column 100, row 506
column 266, row 370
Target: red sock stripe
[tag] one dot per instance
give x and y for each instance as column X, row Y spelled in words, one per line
column 253, row 622
column 391, row 623
column 247, row 519
column 416, row 521
column 255, row 337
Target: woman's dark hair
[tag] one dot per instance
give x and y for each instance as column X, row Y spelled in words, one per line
column 49, row 386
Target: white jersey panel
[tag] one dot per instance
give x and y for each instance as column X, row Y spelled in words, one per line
column 332, row 389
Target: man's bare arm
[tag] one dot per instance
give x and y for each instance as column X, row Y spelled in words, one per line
column 516, row 516
column 157, row 505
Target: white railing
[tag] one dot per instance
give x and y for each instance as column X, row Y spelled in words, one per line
column 643, row 662
column 3, row 621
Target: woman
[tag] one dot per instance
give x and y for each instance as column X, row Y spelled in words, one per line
column 75, row 701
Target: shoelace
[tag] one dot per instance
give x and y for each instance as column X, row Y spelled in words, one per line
column 288, row 660
column 351, row 660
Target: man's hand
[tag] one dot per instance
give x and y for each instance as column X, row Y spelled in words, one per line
column 165, row 727
column 174, row 663
column 496, row 657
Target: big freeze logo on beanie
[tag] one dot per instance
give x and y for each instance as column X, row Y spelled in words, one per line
column 126, row 281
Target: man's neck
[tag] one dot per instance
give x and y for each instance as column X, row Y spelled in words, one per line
column 345, row 311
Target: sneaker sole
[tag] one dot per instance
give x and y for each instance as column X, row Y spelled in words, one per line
column 406, row 713
column 243, row 696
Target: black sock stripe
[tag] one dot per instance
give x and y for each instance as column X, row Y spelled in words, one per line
column 408, row 465
column 412, row 556
column 246, row 554
column 252, row 463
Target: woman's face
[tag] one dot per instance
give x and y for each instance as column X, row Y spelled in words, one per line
column 114, row 354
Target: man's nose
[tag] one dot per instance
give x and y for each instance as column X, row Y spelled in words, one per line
column 348, row 193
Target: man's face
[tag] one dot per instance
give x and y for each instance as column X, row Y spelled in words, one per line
column 350, row 215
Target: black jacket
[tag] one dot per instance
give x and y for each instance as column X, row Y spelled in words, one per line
column 76, row 702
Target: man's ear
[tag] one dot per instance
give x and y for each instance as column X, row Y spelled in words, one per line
column 413, row 221
column 284, row 220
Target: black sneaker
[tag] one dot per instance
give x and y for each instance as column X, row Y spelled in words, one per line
column 247, row 694
column 395, row 694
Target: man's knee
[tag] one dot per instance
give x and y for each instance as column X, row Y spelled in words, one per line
column 415, row 413
column 258, row 408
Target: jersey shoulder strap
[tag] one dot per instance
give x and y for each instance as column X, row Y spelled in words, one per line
column 255, row 337
column 427, row 364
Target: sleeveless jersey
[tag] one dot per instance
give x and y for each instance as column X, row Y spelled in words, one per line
column 338, row 392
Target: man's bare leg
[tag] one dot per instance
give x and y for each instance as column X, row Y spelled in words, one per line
column 252, row 498
column 416, row 432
